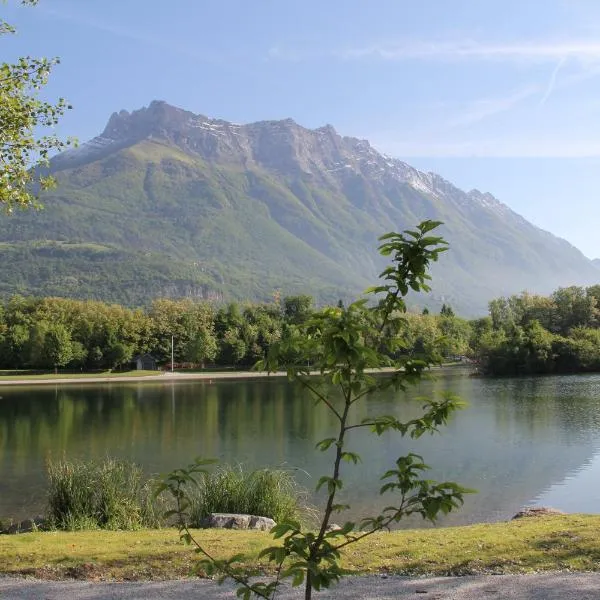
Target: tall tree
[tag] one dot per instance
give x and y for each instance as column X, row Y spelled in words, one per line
column 23, row 152
column 297, row 309
column 446, row 311
column 58, row 346
column 574, row 308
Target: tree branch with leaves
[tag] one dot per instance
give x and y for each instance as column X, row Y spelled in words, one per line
column 24, row 151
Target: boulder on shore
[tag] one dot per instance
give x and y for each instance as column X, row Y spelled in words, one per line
column 537, row 511
column 36, row 524
column 236, row 521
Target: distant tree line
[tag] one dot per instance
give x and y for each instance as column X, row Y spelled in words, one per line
column 47, row 333
column 53, row 333
column 530, row 334
column 523, row 334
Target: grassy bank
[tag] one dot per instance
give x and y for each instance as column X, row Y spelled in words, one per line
column 37, row 375
column 568, row 542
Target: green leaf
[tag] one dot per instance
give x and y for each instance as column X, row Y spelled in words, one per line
column 284, row 527
column 236, row 558
column 325, row 444
column 388, row 236
column 351, row 457
column 244, row 593
column 322, row 481
column 298, row 578
column 427, row 226
column 332, row 484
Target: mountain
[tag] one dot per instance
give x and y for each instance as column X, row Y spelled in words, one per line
column 168, row 203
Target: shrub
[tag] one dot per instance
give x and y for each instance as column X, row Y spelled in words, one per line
column 110, row 494
column 270, row 493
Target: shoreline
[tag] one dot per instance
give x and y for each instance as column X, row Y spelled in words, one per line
column 162, row 377
column 168, row 377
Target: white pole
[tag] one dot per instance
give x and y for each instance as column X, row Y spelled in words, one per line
column 172, row 352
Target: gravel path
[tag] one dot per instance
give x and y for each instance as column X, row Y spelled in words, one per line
column 547, row 586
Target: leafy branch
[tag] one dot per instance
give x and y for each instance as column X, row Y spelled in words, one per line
column 23, row 153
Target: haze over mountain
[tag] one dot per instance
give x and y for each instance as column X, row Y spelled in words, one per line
column 168, row 203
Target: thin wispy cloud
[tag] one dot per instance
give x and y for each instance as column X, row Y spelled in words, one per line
column 517, row 147
column 552, row 82
column 485, row 108
column 473, row 50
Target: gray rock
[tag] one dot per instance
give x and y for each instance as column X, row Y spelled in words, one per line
column 537, row 511
column 261, row 523
column 236, row 521
column 26, row 526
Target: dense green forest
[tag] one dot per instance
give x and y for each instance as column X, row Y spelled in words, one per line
column 523, row 334
column 529, row 334
column 63, row 333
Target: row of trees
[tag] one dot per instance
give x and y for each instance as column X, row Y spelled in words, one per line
column 523, row 333
column 56, row 332
column 529, row 334
column 51, row 333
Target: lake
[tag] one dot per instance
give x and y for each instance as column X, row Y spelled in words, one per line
column 520, row 441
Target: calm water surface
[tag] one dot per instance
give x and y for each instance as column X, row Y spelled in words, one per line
column 519, row 441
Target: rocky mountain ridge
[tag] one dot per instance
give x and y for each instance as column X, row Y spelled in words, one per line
column 281, row 145
column 238, row 211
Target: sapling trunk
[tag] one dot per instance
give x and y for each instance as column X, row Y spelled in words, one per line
column 316, row 546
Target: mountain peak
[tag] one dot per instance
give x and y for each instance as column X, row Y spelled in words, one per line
column 144, row 121
column 328, row 129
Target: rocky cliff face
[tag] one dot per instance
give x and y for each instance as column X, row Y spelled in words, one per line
column 250, row 208
column 281, row 146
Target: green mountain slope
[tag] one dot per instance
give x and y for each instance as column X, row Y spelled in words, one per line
column 168, row 203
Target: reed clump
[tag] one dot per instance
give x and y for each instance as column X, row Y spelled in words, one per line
column 107, row 494
column 265, row 492
column 116, row 495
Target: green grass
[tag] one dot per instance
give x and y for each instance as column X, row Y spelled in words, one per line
column 26, row 375
column 114, row 494
column 565, row 542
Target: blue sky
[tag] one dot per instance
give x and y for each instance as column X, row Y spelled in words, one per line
column 503, row 95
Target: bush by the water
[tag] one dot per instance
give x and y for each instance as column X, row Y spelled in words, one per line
column 115, row 494
column 270, row 493
column 110, row 494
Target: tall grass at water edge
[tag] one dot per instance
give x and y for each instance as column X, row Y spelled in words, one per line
column 270, row 493
column 114, row 494
column 110, row 494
